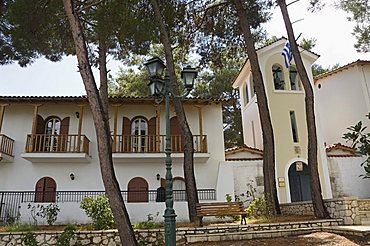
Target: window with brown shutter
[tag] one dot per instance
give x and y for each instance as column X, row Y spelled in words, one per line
column 152, row 134
column 137, row 190
column 45, row 190
column 177, row 140
column 126, row 135
column 63, row 137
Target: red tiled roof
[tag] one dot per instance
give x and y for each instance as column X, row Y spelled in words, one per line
column 241, row 149
column 339, row 69
column 341, row 147
column 112, row 99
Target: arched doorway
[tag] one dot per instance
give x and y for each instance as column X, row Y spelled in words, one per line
column 137, row 190
column 45, row 190
column 299, row 182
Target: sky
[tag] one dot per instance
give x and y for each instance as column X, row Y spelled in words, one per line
column 330, row 27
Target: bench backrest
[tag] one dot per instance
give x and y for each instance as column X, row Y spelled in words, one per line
column 220, row 208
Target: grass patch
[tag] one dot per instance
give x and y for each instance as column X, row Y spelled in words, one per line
column 19, row 227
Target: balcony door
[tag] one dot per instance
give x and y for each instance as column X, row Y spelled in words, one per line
column 52, row 131
column 139, row 132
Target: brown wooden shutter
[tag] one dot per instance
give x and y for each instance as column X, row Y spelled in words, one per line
column 137, row 190
column 63, row 134
column 152, row 127
column 40, row 125
column 45, row 190
column 177, row 141
column 126, row 135
column 38, row 139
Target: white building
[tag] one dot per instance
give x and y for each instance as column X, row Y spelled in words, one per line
column 285, row 97
column 343, row 99
column 48, row 153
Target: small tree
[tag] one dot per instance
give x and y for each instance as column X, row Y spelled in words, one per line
column 361, row 142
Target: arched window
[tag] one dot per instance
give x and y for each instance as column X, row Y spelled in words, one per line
column 278, row 76
column 137, row 190
column 179, row 189
column 52, row 131
column 246, row 94
column 252, row 87
column 294, row 79
column 45, row 190
column 139, row 132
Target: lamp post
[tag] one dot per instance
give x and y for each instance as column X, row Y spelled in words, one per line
column 160, row 87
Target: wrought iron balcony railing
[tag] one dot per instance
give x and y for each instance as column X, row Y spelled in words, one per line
column 155, row 144
column 47, row 143
column 6, row 145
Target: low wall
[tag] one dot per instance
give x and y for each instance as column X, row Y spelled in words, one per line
column 363, row 204
column 346, row 208
column 152, row 237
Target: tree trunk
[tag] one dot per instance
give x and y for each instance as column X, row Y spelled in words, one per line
column 317, row 200
column 191, row 187
column 103, row 90
column 112, row 189
column 263, row 109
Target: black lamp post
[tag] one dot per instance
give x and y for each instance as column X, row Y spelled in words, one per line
column 160, row 87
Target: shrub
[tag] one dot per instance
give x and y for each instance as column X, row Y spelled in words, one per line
column 65, row 238
column 99, row 211
column 30, row 239
column 149, row 224
column 50, row 212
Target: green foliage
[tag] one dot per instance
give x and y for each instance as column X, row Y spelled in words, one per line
column 360, row 140
column 67, row 235
column 50, row 212
column 318, row 69
column 360, row 14
column 308, row 43
column 130, row 83
column 149, row 224
column 216, row 84
column 99, row 211
column 259, row 206
column 30, row 239
column 20, row 227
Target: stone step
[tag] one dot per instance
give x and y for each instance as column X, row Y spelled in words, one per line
column 365, row 217
column 246, row 235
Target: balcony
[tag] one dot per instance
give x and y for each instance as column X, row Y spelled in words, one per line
column 151, row 148
column 46, row 148
column 6, row 148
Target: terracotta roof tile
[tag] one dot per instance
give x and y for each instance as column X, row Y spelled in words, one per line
column 339, row 69
column 341, row 147
column 241, row 149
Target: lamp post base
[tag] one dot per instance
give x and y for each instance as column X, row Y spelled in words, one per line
column 170, row 227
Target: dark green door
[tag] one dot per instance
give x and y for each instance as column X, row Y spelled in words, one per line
column 299, row 183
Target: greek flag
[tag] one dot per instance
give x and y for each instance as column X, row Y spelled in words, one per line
column 287, row 53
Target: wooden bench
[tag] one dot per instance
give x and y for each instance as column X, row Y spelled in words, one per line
column 221, row 209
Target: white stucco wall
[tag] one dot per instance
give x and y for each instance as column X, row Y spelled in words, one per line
column 246, row 174
column 22, row 175
column 345, row 180
column 343, row 100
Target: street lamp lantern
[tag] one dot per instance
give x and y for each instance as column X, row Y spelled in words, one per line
column 188, row 75
column 160, row 87
column 155, row 86
column 155, row 67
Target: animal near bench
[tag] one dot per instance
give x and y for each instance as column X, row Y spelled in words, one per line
column 221, row 209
